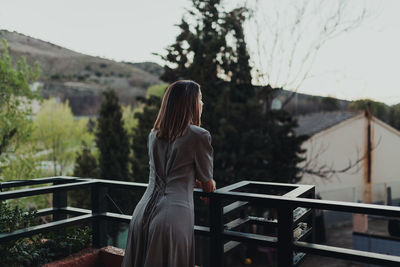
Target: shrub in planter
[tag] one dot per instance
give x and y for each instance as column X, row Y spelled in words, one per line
column 41, row 248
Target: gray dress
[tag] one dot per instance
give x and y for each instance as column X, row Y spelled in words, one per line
column 161, row 230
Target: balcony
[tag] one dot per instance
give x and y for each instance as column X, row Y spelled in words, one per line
column 293, row 224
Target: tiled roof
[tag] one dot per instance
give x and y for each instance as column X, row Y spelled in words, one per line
column 313, row 123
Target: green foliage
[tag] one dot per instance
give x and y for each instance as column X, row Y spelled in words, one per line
column 15, row 100
column 112, row 140
column 128, row 117
column 59, row 135
column 250, row 141
column 156, row 90
column 394, row 116
column 15, row 218
column 329, row 103
column 146, row 119
column 62, row 244
column 378, row 109
column 388, row 114
column 113, row 145
column 22, row 164
column 38, row 249
column 85, row 166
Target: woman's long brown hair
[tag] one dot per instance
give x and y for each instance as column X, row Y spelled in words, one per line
column 179, row 108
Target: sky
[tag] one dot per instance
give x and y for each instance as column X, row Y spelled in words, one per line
column 363, row 63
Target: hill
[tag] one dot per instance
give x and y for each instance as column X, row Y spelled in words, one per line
column 80, row 78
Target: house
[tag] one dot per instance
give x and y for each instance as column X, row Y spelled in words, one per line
column 351, row 156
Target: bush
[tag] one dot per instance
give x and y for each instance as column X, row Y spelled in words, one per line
column 38, row 249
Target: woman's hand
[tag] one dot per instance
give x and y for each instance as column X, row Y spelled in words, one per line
column 209, row 186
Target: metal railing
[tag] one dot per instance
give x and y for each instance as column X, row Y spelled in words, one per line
column 286, row 199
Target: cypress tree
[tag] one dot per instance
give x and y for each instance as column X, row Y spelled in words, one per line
column 112, row 140
column 86, row 167
column 250, row 141
column 146, row 119
column 113, row 144
column 86, row 164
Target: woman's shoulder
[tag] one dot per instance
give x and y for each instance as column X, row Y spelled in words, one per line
column 198, row 131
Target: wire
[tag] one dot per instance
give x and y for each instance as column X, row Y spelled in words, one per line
column 120, row 211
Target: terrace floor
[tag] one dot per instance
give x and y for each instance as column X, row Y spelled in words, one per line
column 340, row 236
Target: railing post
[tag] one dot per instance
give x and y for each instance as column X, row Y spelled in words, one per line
column 313, row 219
column 216, row 230
column 285, row 236
column 99, row 225
column 59, row 201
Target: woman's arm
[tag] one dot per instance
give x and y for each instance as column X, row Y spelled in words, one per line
column 209, row 186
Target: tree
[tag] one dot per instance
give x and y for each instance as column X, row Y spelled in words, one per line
column 249, row 140
column 85, row 166
column 113, row 145
column 145, row 119
column 16, row 97
column 378, row 109
column 156, row 90
column 112, row 140
column 394, row 116
column 59, row 134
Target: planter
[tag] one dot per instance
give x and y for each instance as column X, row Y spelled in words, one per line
column 91, row 257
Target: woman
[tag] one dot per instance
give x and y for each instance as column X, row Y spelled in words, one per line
column 161, row 232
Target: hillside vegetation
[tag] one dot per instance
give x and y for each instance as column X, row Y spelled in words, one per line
column 80, row 78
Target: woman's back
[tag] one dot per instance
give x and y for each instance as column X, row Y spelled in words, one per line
column 161, row 230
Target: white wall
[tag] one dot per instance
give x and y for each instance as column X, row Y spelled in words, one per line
column 344, row 143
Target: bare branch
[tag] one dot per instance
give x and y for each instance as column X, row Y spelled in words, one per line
column 286, row 46
column 313, row 167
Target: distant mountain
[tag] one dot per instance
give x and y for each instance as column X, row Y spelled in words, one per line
column 300, row 104
column 81, row 78
column 149, row 67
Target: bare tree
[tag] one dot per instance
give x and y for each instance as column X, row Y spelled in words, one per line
column 316, row 169
column 289, row 35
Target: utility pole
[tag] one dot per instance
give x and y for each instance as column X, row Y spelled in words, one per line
column 367, row 194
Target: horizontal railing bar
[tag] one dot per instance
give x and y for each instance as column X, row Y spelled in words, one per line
column 233, row 206
column 46, row 211
column 228, row 246
column 44, row 190
column 274, row 184
column 202, row 230
column 122, row 184
column 233, row 186
column 199, row 193
column 267, row 241
column 262, row 221
column 115, row 217
column 300, row 191
column 272, row 201
column 67, row 210
column 236, row 223
column 73, row 210
column 36, row 181
column 279, row 201
column 29, row 231
column 347, row 254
